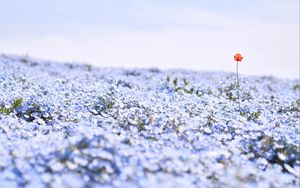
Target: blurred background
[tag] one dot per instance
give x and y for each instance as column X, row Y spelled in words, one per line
column 189, row 34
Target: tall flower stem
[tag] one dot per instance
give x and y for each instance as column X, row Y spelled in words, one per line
column 238, row 85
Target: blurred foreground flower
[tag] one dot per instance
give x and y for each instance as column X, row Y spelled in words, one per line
column 238, row 58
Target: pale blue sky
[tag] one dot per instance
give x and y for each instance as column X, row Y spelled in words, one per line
column 199, row 35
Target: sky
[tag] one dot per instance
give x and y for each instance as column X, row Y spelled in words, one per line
column 166, row 34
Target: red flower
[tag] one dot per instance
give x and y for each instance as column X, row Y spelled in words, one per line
column 238, row 57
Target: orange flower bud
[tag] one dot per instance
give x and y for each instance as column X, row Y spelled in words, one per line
column 238, row 57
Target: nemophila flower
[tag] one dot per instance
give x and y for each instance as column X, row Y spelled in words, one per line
column 238, row 58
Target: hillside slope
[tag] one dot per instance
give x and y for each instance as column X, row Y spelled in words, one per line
column 74, row 125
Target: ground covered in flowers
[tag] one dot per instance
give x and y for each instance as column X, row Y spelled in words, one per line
column 74, row 125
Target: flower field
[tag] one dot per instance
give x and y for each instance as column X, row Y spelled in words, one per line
column 75, row 125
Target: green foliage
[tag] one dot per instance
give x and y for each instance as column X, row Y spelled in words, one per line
column 152, row 138
column 168, row 79
column 228, row 91
column 16, row 104
column 33, row 112
column 211, row 119
column 230, row 96
column 251, row 116
column 294, row 107
column 189, row 91
column 5, row 110
column 296, row 87
column 177, row 89
column 254, row 116
column 103, row 104
column 186, row 82
column 140, row 125
column 107, row 103
column 175, row 81
column 265, row 147
column 182, row 85
column 199, row 93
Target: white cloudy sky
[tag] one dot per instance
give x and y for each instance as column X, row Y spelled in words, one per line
column 190, row 34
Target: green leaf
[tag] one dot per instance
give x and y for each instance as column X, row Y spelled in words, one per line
column 17, row 103
column 177, row 89
column 188, row 91
column 186, row 82
column 175, row 81
column 6, row 111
